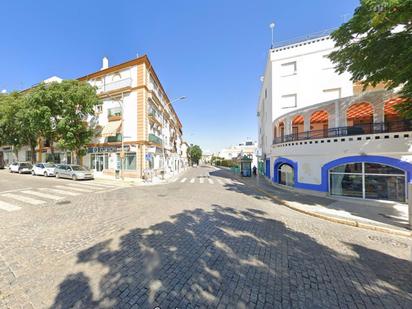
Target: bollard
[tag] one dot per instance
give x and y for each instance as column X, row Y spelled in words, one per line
column 410, row 204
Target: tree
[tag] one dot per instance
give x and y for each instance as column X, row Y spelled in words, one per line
column 77, row 101
column 194, row 154
column 375, row 46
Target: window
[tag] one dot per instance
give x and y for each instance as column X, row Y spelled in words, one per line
column 115, row 111
column 99, row 108
column 287, row 69
column 130, row 161
column 288, row 101
column 368, row 180
column 28, row 156
column 332, row 94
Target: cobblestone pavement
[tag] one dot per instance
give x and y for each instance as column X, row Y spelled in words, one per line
column 213, row 243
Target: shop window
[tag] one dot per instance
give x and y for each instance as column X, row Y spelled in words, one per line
column 114, row 139
column 115, row 111
column 368, row 180
column 130, row 161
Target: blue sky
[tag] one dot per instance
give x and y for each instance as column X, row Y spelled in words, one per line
column 211, row 51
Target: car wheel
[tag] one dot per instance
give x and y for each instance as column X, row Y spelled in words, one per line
column 74, row 177
column 19, row 171
column 45, row 174
column 57, row 175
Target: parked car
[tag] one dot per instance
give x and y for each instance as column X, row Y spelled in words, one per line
column 44, row 169
column 20, row 167
column 75, row 172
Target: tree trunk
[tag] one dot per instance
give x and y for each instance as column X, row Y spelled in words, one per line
column 33, row 154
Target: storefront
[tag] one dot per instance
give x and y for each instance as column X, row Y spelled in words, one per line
column 107, row 159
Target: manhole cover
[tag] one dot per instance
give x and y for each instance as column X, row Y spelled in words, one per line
column 63, row 202
column 388, row 241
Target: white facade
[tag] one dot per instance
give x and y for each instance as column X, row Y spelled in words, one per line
column 248, row 148
column 326, row 133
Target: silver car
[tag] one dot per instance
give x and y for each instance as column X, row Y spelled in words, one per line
column 72, row 171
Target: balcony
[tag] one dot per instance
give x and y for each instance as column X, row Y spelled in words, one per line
column 359, row 129
column 116, row 85
column 155, row 139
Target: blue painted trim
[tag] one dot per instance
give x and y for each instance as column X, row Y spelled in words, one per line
column 405, row 166
column 324, row 186
column 267, row 168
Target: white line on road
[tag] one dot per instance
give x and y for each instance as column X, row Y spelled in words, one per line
column 24, row 199
column 59, row 191
column 192, row 180
column 183, row 180
column 8, row 207
column 73, row 188
column 219, row 181
column 44, row 195
column 201, row 180
column 210, row 181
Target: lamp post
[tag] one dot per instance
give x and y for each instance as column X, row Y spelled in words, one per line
column 272, row 26
column 163, row 135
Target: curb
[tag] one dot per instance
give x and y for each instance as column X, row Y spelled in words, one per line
column 349, row 222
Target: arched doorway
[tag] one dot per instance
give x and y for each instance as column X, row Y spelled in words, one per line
column 297, row 126
column 359, row 117
column 393, row 121
column 319, row 124
column 286, row 175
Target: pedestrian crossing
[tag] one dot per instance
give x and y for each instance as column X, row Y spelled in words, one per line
column 15, row 200
column 207, row 180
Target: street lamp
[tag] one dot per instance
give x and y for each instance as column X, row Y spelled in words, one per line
column 272, row 26
column 163, row 135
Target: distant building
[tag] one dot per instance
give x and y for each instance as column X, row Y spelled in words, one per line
column 320, row 131
column 248, row 148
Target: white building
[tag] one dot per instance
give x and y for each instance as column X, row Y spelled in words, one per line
column 319, row 131
column 248, row 148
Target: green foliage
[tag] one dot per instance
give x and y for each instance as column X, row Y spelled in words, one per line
column 226, row 163
column 375, row 46
column 194, row 154
column 55, row 111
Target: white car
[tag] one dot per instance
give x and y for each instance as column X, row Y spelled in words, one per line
column 43, row 169
column 20, row 167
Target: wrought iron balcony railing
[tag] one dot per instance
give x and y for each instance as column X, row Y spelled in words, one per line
column 358, row 129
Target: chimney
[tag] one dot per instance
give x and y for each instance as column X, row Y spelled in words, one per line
column 105, row 63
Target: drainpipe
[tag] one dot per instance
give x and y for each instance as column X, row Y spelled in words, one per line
column 410, row 204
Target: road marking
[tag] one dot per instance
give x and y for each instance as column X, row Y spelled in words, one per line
column 24, row 199
column 210, row 181
column 183, row 180
column 59, row 191
column 229, row 181
column 192, row 180
column 174, row 180
column 73, row 188
column 220, row 181
column 8, row 207
column 44, row 195
column 202, row 180
column 93, row 186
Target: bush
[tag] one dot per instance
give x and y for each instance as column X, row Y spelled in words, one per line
column 226, row 163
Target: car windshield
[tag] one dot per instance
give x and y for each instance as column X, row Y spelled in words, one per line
column 25, row 165
column 49, row 165
column 78, row 168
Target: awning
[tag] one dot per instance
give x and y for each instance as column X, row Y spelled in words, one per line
column 112, row 128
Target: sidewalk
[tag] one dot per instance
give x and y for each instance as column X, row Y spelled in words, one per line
column 386, row 217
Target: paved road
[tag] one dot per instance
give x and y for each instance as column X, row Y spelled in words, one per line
column 204, row 240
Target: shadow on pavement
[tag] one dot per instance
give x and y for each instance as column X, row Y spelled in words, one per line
column 378, row 212
column 225, row 256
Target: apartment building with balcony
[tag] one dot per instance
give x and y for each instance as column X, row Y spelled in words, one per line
column 139, row 128
column 320, row 131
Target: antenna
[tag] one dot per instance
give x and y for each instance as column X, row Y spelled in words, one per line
column 272, row 26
